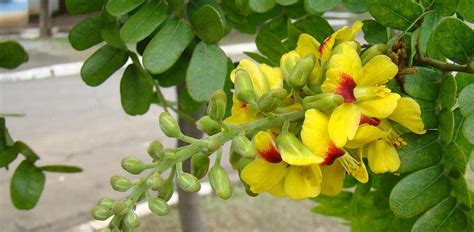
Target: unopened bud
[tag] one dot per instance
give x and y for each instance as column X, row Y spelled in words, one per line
column 326, row 102
column 167, row 190
column 106, row 202
column 217, row 105
column 293, row 150
column 119, row 208
column 188, row 182
column 378, row 49
column 243, row 86
column 133, row 165
column 199, row 165
column 158, row 206
column 155, row 182
column 244, row 147
column 156, row 150
column 208, row 125
column 101, row 213
column 132, row 220
column 211, row 145
column 120, row 183
column 169, row 126
column 300, row 74
column 220, row 182
column 234, row 158
column 271, row 100
column 287, row 63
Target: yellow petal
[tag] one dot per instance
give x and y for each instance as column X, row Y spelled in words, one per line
column 383, row 157
column 333, row 179
column 262, row 176
column 380, row 107
column 273, row 76
column 279, row 189
column 348, row 61
column 365, row 134
column 259, row 81
column 325, row 49
column 266, row 147
column 346, row 34
column 241, row 113
column 307, row 44
column 379, row 70
column 343, row 123
column 303, row 182
column 314, row 133
column 408, row 114
column 339, row 82
column 294, row 152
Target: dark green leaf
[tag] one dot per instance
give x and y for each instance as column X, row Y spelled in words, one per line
column 455, row 40
column 420, row 152
column 444, row 7
column 316, row 6
column 424, row 84
column 208, row 24
column 447, row 92
column 83, row 6
column 61, row 168
column 419, row 192
column 374, row 32
column 86, row 33
column 465, row 100
column 187, row 103
column 120, row 7
column 26, row 151
column 468, row 128
column 26, row 186
column 7, row 156
column 445, row 216
column 334, row 206
column 466, row 9
column 426, row 29
column 144, row 22
column 453, row 157
column 355, row 6
column 110, row 33
column 260, row 59
column 461, row 191
column 206, row 72
column 270, row 45
column 136, row 91
column 261, row 6
column 395, row 14
column 458, row 135
column 167, row 46
column 175, row 74
column 446, row 126
column 12, row 55
column 462, row 80
column 286, row 2
column 177, row 6
column 429, row 113
column 316, row 26
column 102, row 64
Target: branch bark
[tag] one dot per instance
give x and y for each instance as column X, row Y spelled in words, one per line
column 443, row 66
column 45, row 19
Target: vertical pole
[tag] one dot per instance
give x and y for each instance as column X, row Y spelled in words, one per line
column 189, row 208
column 45, row 19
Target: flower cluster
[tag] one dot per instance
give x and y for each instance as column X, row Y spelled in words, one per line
column 350, row 115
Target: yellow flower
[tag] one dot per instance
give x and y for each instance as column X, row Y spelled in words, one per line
column 269, row 173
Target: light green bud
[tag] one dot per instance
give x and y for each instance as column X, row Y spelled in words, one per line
column 243, row 86
column 208, row 125
column 132, row 220
column 199, row 165
column 158, row 206
column 375, row 50
column 120, row 183
column 169, row 126
column 234, row 158
column 243, row 146
column 217, row 105
column 301, row 72
column 155, row 182
column 326, row 102
column 106, row 202
column 120, row 208
column 271, row 100
column 220, row 182
column 188, row 182
column 133, row 165
column 101, row 213
column 156, row 150
column 167, row 190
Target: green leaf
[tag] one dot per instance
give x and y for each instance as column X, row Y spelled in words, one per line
column 110, row 33
column 453, row 157
column 395, row 14
column 102, row 64
column 26, row 186
column 419, row 191
column 177, row 6
column 317, row 6
column 83, row 6
column 334, row 206
column 120, row 7
column 206, row 72
column 86, row 33
column 444, row 7
column 446, row 126
column 167, row 46
column 316, row 26
column 466, row 9
column 420, row 152
column 455, row 40
column 461, row 191
column 286, row 2
column 468, row 128
column 61, row 168
column 187, row 103
column 136, row 91
column 462, row 80
column 423, row 84
column 144, row 22
column 12, row 55
column 355, row 6
column 260, row 59
column 270, row 45
column 175, row 74
column 374, row 32
column 261, row 6
column 447, row 92
column 7, row 156
column 458, row 136
column 465, row 100
column 426, row 29
column 429, row 113
column 445, row 216
column 26, row 151
column 208, row 24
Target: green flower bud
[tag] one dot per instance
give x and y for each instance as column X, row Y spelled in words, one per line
column 234, row 158
column 293, row 150
column 243, row 163
column 271, row 100
column 133, row 165
column 169, row 126
column 212, row 144
column 287, row 63
column 155, row 182
column 167, row 190
column 120, row 183
column 301, row 72
column 220, row 182
column 243, row 86
column 132, row 220
column 217, row 105
column 325, row 102
column 188, row 182
column 156, row 150
column 101, row 213
column 369, row 53
column 119, row 208
column 244, row 147
column 158, row 206
column 208, row 125
column 199, row 165
column 106, row 202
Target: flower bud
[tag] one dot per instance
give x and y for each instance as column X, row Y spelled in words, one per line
column 243, row 86
column 156, row 150
column 167, row 190
column 119, row 208
column 300, row 74
column 155, row 182
column 234, row 158
column 101, row 213
column 220, row 182
column 199, row 165
column 120, row 183
column 133, row 165
column 208, row 125
column 158, row 206
column 188, row 182
column 217, row 105
column 326, row 102
column 211, row 145
column 169, row 126
column 132, row 220
column 378, row 49
column 271, row 100
column 244, row 147
column 106, row 202
column 287, row 63
column 293, row 151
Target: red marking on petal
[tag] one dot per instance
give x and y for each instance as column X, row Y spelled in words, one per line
column 243, row 105
column 346, row 88
column 332, row 154
column 271, row 154
column 368, row 120
column 321, row 47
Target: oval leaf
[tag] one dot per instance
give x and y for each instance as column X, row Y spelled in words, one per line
column 318, row 6
column 395, row 14
column 144, row 22
column 423, row 84
column 83, row 6
column 374, row 32
column 12, row 55
column 446, row 126
column 455, row 40
column 208, row 24
column 445, row 216
column 468, row 128
column 447, row 92
column 261, row 6
column 355, row 6
column 86, row 33
column 466, row 9
column 102, row 64
column 420, row 152
column 26, row 186
column 136, row 91
column 429, row 113
column 465, row 100
column 120, row 7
